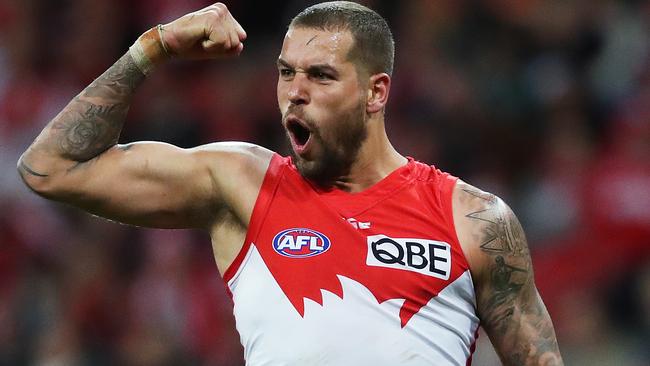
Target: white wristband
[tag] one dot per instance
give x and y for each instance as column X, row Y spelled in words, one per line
column 140, row 58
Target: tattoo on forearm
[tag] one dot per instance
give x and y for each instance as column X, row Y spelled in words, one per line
column 84, row 135
column 24, row 167
column 511, row 295
column 92, row 122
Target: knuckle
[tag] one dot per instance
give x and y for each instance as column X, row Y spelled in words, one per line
column 220, row 8
column 214, row 13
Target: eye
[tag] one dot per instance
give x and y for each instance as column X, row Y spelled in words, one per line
column 319, row 75
column 286, row 73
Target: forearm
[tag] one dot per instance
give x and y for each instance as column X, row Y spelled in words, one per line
column 76, row 159
column 91, row 123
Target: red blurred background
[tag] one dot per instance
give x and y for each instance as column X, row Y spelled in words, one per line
column 545, row 103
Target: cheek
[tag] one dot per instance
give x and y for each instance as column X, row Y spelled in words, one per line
column 345, row 104
column 337, row 103
column 339, row 117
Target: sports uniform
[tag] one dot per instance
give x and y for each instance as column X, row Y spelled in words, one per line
column 378, row 277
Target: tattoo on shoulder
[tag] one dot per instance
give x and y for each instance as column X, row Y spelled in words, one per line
column 509, row 299
column 501, row 230
column 502, row 238
column 480, row 194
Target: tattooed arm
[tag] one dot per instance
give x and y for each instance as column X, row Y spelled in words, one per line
column 508, row 304
column 76, row 158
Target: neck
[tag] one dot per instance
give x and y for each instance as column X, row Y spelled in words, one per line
column 376, row 159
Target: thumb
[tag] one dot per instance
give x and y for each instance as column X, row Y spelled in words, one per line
column 207, row 44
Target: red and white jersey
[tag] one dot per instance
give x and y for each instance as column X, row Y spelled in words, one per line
column 370, row 278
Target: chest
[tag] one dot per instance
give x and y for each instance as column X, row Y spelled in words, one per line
column 398, row 247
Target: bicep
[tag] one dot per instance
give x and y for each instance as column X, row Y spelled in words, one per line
column 147, row 184
column 508, row 304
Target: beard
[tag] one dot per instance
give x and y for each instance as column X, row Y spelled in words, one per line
column 338, row 151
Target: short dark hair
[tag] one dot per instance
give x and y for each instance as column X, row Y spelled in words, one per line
column 373, row 48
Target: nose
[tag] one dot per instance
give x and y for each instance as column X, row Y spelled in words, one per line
column 298, row 93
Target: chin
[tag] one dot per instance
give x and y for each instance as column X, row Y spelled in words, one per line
column 334, row 157
column 313, row 170
column 323, row 171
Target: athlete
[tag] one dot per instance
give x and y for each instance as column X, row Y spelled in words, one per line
column 345, row 253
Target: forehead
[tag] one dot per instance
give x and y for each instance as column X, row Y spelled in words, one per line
column 310, row 46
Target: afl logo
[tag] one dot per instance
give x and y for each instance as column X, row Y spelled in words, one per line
column 300, row 243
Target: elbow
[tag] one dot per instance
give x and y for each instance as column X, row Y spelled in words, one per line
column 37, row 182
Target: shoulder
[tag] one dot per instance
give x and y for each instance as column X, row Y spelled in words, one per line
column 236, row 169
column 233, row 158
column 241, row 151
column 487, row 229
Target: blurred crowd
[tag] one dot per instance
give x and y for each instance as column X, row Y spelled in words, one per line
column 545, row 103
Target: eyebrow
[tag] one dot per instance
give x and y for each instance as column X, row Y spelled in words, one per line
column 312, row 68
column 284, row 63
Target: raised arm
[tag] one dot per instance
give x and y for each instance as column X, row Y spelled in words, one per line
column 76, row 159
column 509, row 306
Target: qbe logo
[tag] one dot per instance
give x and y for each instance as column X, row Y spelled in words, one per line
column 424, row 256
column 300, row 243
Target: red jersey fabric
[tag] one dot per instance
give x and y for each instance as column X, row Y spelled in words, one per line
column 396, row 239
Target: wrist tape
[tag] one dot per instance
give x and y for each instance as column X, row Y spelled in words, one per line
column 151, row 38
column 140, row 58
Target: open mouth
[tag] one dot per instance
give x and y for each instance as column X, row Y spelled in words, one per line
column 299, row 132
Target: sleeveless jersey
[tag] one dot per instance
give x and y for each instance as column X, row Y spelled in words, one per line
column 370, row 278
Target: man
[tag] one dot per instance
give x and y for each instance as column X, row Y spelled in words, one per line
column 349, row 253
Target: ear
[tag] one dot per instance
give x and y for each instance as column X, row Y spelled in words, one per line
column 378, row 88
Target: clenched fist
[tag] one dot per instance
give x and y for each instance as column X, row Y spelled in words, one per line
column 207, row 33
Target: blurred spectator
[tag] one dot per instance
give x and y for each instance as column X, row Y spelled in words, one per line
column 545, row 103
